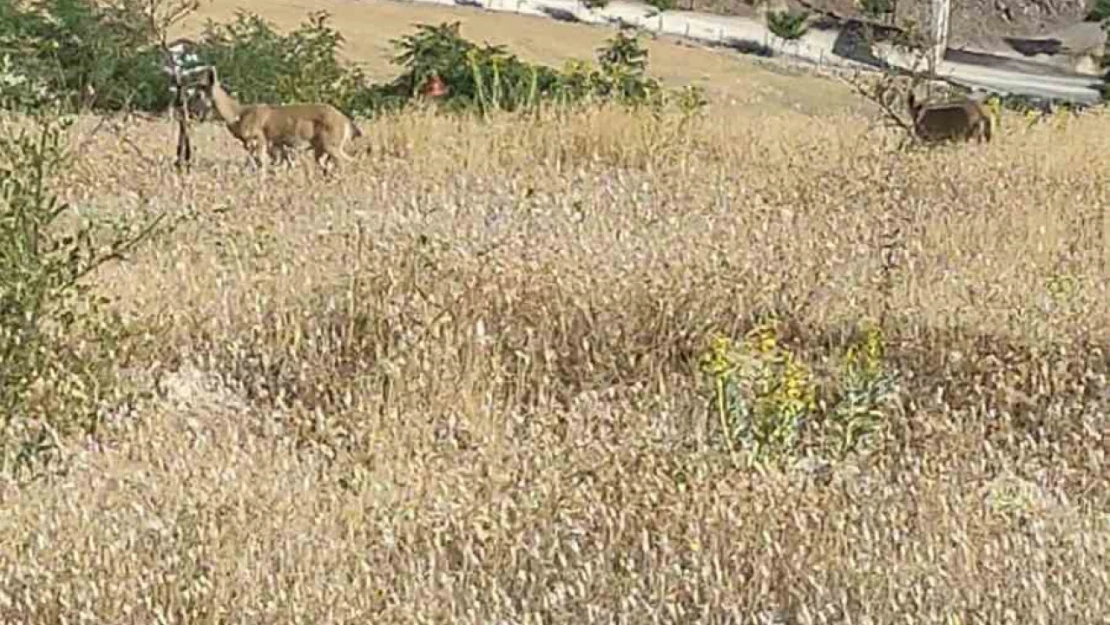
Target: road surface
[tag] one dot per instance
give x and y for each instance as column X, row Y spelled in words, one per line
column 815, row 46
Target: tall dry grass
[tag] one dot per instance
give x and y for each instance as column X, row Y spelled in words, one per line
column 459, row 383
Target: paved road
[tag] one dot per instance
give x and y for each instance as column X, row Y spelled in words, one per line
column 816, row 46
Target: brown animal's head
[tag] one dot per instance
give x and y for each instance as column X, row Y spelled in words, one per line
column 208, row 81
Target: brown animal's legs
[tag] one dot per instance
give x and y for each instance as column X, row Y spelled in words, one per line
column 281, row 153
column 324, row 158
column 258, row 150
column 330, row 154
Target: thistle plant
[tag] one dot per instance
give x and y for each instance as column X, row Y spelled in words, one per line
column 762, row 393
column 865, row 386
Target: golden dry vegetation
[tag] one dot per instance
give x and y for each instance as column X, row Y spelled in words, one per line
column 459, row 383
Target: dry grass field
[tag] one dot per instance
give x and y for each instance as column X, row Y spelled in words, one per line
column 459, row 383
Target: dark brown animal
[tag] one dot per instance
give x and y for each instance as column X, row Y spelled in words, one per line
column 951, row 121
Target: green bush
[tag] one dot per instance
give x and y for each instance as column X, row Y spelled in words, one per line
column 480, row 77
column 77, row 47
column 74, row 47
column 58, row 348
column 259, row 64
column 662, row 5
column 877, row 9
column 490, row 77
column 767, row 402
column 789, row 25
column 62, row 50
column 1099, row 11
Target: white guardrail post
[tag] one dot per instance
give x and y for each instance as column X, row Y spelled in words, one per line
column 940, row 11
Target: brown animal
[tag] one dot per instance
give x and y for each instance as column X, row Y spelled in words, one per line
column 275, row 130
column 960, row 120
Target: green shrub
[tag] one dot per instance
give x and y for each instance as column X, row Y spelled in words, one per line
column 61, row 50
column 1099, row 11
column 623, row 64
column 877, row 9
column 866, row 385
column 58, row 348
column 662, row 5
column 18, row 91
column 765, row 400
column 490, row 77
column 789, row 25
column 480, row 77
column 259, row 64
column 762, row 394
column 76, row 47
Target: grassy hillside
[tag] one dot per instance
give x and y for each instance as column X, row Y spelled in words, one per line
column 478, row 377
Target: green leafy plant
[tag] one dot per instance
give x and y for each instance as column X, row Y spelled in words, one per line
column 1099, row 11
column 18, row 91
column 877, row 9
column 623, row 76
column 623, row 52
column 477, row 77
column 58, row 347
column 662, row 5
column 691, row 100
column 764, row 399
column 86, row 53
column 787, row 24
column 866, row 385
column 490, row 77
column 260, row 64
column 762, row 395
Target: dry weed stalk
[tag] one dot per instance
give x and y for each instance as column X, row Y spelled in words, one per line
column 162, row 15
